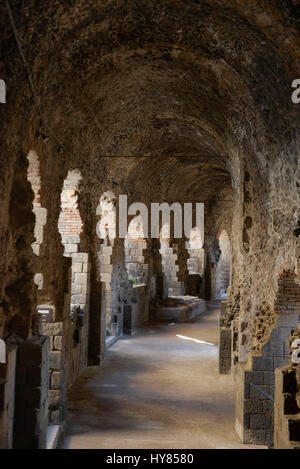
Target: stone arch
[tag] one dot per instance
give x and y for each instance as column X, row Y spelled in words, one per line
column 33, row 176
column 70, row 228
column 73, row 330
column 222, row 272
column 21, row 337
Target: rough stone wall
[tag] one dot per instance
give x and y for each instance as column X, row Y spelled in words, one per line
column 135, row 95
column 39, row 211
column 18, row 292
column 256, row 424
column 287, row 378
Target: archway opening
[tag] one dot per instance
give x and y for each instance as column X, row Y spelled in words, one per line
column 195, row 262
column 223, row 266
column 134, row 244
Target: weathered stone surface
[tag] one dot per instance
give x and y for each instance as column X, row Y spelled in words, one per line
column 56, row 380
column 199, row 93
column 52, row 329
column 55, row 360
column 58, row 342
column 54, row 399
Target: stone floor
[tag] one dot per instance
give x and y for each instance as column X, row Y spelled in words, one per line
column 156, row 390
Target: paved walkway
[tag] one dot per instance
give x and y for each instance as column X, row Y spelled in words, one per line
column 156, row 389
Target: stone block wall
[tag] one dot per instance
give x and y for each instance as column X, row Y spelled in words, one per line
column 76, row 326
column 57, row 376
column 135, row 260
column 105, row 267
column 31, row 394
column 80, row 282
column 287, row 411
column 67, row 360
column 116, row 287
column 172, row 286
column 68, row 339
column 195, row 263
column 256, row 420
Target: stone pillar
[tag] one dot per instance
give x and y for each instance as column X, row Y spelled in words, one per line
column 105, row 265
column 135, row 261
column 95, row 346
column 154, row 260
column 121, row 287
column 225, row 342
column 7, row 397
column 172, row 286
column 80, row 288
column 31, row 396
column 182, row 260
column 57, row 372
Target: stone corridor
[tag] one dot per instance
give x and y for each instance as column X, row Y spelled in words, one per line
column 149, row 166
column 156, row 390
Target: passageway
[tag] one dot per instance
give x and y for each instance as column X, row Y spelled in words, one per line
column 156, row 390
column 149, row 149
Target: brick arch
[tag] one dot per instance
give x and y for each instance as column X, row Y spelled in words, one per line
column 70, row 222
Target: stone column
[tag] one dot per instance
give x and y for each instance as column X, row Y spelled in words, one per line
column 31, row 394
column 179, row 248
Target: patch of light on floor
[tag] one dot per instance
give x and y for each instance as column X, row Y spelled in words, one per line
column 194, row 340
